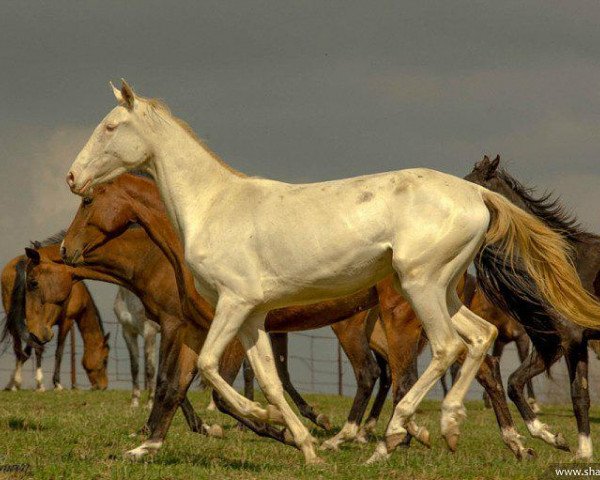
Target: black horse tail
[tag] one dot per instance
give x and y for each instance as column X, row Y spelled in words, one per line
column 511, row 288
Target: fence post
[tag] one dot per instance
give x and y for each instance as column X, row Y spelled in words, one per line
column 73, row 362
column 340, row 373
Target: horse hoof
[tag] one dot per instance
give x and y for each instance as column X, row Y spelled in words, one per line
column 393, row 440
column 135, row 404
column 528, row 454
column 583, row 456
column 361, row 439
column 379, row 455
column 324, row 422
column 561, row 442
column 136, row 454
column 58, row 387
column 452, row 441
column 329, row 445
column 421, row 434
column 40, row 389
column 215, row 431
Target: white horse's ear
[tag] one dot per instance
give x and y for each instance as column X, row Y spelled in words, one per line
column 116, row 92
column 127, row 94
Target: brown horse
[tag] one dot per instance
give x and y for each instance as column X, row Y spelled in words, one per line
column 134, row 261
column 112, row 207
column 78, row 307
column 509, row 330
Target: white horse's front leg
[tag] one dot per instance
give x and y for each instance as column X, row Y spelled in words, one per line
column 258, row 348
column 230, row 315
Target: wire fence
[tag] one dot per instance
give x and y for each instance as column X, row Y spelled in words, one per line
column 315, row 360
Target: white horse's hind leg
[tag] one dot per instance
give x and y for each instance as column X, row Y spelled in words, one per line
column 478, row 336
column 230, row 315
column 260, row 354
column 428, row 299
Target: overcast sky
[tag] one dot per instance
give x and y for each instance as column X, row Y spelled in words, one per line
column 304, row 91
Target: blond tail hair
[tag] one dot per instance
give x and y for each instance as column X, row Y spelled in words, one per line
column 545, row 256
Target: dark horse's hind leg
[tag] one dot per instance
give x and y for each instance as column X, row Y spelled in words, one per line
column 385, row 383
column 523, row 344
column 489, row 378
column 279, row 342
column 577, row 363
column 532, row 366
column 353, row 340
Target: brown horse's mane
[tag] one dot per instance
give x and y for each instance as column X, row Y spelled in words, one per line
column 51, row 240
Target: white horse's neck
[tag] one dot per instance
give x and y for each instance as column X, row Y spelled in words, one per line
column 187, row 174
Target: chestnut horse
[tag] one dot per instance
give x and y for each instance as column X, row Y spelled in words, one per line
column 110, row 208
column 78, row 307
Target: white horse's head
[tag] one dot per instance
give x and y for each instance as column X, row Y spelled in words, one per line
column 118, row 144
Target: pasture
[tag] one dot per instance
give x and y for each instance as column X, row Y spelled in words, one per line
column 82, row 434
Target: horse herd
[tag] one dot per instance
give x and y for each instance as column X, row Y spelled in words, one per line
column 225, row 265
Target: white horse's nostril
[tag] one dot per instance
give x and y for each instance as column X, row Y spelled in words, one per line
column 71, row 179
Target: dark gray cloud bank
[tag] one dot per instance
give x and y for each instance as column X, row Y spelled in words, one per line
column 304, row 91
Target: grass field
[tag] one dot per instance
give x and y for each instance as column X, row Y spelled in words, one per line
column 82, row 434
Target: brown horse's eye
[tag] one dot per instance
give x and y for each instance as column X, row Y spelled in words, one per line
column 87, row 201
column 32, row 284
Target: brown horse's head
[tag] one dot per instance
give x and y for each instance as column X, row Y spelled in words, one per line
column 47, row 289
column 104, row 213
column 95, row 363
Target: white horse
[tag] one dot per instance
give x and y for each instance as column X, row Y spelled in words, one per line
column 255, row 244
column 131, row 314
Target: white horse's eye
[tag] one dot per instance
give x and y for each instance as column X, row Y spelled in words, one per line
column 111, row 126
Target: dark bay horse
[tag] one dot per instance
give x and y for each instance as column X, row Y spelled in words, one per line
column 112, row 207
column 552, row 335
column 78, row 307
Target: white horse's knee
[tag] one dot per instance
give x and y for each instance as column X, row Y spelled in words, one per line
column 482, row 342
column 208, row 366
column 447, row 353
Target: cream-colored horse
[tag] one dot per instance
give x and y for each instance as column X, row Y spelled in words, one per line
column 254, row 245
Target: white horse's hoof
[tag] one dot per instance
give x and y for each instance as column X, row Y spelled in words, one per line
column 215, row 431
column 40, row 388
column 136, row 454
column 135, row 403
column 145, row 449
column 379, row 455
column 330, row 445
column 58, row 387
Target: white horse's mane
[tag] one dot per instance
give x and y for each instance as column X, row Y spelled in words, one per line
column 157, row 108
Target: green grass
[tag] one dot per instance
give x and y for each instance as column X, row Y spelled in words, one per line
column 83, row 434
